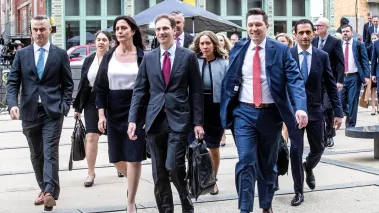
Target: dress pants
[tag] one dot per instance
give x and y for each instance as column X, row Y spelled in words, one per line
column 350, row 98
column 257, row 133
column 330, row 131
column 168, row 149
column 315, row 133
column 43, row 137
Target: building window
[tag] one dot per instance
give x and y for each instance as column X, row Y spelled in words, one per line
column 280, row 7
column 233, row 8
column 72, row 34
column 213, row 6
column 280, row 27
column 298, row 7
column 72, row 7
column 91, row 28
column 254, row 4
column 114, row 7
column 93, row 7
column 140, row 6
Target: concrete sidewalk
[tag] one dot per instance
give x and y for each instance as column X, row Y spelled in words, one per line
column 347, row 179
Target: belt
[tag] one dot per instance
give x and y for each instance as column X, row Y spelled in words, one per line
column 350, row 74
column 260, row 106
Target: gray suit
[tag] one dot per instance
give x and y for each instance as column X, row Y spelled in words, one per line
column 42, row 122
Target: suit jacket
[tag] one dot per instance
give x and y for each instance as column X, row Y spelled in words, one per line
column 333, row 48
column 320, row 75
column 182, row 98
column 282, row 75
column 369, row 51
column 361, row 60
column 84, row 90
column 188, row 39
column 365, row 31
column 374, row 60
column 370, row 31
column 55, row 86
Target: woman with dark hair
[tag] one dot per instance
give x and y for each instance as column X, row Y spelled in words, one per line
column 85, row 99
column 213, row 67
column 114, row 86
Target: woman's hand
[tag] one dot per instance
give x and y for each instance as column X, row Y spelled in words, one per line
column 102, row 125
column 77, row 115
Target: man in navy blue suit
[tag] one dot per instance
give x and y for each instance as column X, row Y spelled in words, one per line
column 315, row 68
column 373, row 29
column 254, row 104
column 374, row 63
column 356, row 73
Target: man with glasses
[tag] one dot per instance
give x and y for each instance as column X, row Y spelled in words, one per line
column 366, row 26
column 373, row 29
column 333, row 47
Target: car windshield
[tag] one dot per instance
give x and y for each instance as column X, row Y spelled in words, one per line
column 69, row 51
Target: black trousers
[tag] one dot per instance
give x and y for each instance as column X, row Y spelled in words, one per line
column 330, row 131
column 43, row 137
column 168, row 149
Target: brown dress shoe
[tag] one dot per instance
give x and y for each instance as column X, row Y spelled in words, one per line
column 269, row 210
column 40, row 199
column 49, row 202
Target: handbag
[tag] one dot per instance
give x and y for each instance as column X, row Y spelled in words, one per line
column 283, row 157
column 201, row 177
column 362, row 102
column 78, row 138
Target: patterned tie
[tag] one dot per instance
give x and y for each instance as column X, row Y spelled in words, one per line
column 257, row 87
column 304, row 66
column 166, row 67
column 178, row 41
column 346, row 57
column 40, row 62
column 322, row 43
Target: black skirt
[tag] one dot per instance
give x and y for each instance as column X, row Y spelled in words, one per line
column 91, row 115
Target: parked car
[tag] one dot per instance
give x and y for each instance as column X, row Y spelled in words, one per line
column 77, row 53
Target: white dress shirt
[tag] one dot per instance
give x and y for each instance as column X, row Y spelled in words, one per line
column 93, row 69
column 352, row 68
column 246, row 92
column 320, row 39
column 181, row 37
column 171, row 54
column 122, row 76
column 36, row 56
column 309, row 57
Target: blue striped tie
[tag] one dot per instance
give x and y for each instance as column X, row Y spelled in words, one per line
column 40, row 62
column 304, row 66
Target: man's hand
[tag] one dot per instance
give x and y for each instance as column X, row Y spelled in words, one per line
column 77, row 115
column 301, row 118
column 102, row 124
column 199, row 132
column 132, row 130
column 339, row 86
column 337, row 122
column 373, row 78
column 15, row 113
column 367, row 80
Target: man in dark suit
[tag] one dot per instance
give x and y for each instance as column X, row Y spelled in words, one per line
column 373, row 29
column 356, row 74
column 366, row 26
column 254, row 103
column 315, row 68
column 44, row 72
column 374, row 63
column 332, row 46
column 175, row 105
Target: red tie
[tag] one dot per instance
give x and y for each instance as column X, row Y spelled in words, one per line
column 347, row 57
column 257, row 87
column 166, row 67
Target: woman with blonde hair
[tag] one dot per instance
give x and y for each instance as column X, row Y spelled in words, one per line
column 224, row 42
column 285, row 39
column 213, row 67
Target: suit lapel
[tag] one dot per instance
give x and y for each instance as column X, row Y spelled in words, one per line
column 327, row 43
column 269, row 57
column 31, row 59
column 158, row 64
column 314, row 64
column 177, row 61
column 50, row 59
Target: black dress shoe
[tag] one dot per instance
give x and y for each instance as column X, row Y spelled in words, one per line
column 89, row 183
column 330, row 142
column 309, row 177
column 297, row 200
column 119, row 174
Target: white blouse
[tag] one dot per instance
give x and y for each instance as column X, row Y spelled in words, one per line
column 92, row 72
column 122, row 76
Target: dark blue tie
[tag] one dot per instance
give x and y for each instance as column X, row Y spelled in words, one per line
column 40, row 62
column 304, row 66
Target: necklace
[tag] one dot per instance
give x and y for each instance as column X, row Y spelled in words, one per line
column 126, row 52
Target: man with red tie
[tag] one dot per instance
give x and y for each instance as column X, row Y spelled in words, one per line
column 169, row 83
column 254, row 104
column 356, row 73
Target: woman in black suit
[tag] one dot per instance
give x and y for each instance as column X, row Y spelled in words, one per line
column 114, row 88
column 85, row 99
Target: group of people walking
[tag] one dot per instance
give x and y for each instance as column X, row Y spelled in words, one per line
column 190, row 89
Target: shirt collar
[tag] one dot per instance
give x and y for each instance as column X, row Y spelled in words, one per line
column 326, row 37
column 171, row 50
column 46, row 47
column 309, row 50
column 262, row 44
column 181, row 37
column 350, row 42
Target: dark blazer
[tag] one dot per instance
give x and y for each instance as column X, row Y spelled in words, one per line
column 84, row 90
column 55, row 87
column 361, row 60
column 369, row 49
column 334, row 49
column 370, row 31
column 365, row 31
column 320, row 75
column 282, row 75
column 182, row 98
column 188, row 39
column 374, row 60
